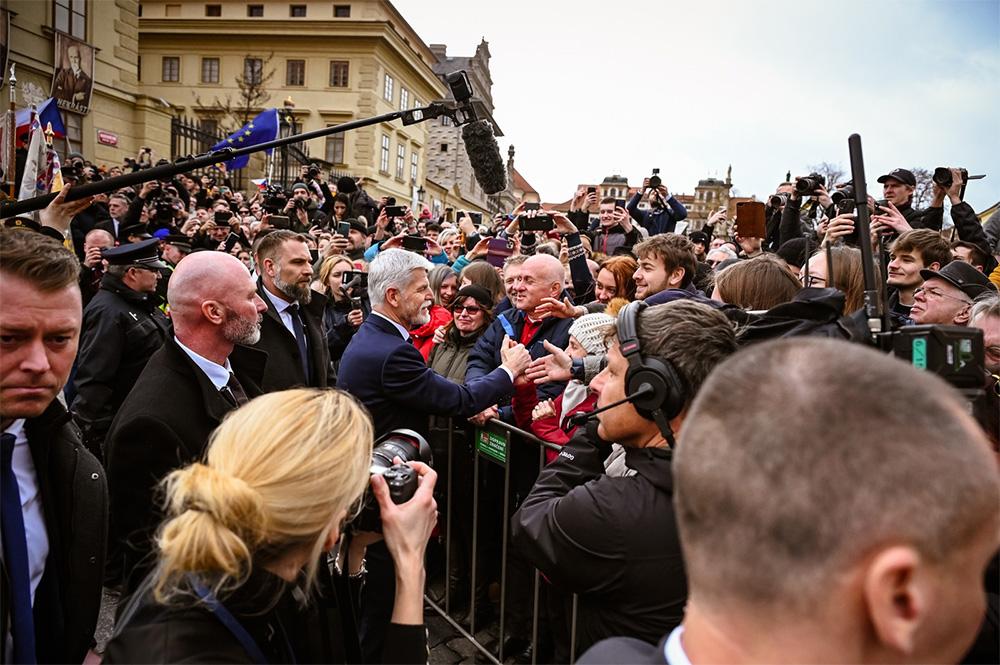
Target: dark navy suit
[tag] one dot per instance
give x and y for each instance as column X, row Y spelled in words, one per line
column 389, row 376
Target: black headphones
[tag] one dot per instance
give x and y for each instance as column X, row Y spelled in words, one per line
column 663, row 394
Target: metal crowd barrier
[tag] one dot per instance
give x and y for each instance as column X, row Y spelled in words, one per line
column 492, row 446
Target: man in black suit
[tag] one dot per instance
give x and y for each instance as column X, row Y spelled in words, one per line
column 292, row 332
column 54, row 493
column 383, row 369
column 846, row 530
column 186, row 389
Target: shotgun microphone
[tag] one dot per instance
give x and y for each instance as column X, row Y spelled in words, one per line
column 581, row 418
column 484, row 156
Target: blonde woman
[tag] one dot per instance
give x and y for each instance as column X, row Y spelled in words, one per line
column 241, row 573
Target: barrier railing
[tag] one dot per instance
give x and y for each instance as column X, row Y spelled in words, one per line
column 492, row 444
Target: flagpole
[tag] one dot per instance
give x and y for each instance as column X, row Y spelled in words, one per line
column 12, row 154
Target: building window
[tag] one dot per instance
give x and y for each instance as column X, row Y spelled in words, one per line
column 400, row 160
column 139, row 11
column 335, row 148
column 416, row 103
column 295, row 72
column 172, row 10
column 339, row 70
column 213, row 10
column 209, row 70
column 297, row 11
column 255, row 11
column 71, row 17
column 210, row 126
column 171, row 69
column 73, row 142
column 445, row 121
column 414, row 163
column 387, row 91
column 138, row 67
column 384, row 160
column 404, row 98
column 253, row 70
column 341, row 11
column 444, row 147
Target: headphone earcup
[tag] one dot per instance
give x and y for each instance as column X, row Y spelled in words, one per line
column 668, row 391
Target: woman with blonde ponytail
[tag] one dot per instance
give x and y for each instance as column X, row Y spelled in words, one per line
column 241, row 574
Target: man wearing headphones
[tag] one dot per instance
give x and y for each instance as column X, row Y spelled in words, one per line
column 613, row 540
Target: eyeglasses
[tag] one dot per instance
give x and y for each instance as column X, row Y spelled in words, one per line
column 812, row 280
column 934, row 293
column 473, row 310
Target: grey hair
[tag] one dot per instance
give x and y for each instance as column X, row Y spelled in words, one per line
column 985, row 305
column 392, row 268
column 728, row 251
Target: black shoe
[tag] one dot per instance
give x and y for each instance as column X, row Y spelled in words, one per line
column 517, row 648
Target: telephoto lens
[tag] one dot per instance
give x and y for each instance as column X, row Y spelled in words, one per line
column 809, row 183
column 845, row 192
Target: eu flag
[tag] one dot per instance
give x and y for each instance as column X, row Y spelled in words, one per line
column 261, row 129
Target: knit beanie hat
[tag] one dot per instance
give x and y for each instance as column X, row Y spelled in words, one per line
column 589, row 331
column 480, row 294
column 345, row 185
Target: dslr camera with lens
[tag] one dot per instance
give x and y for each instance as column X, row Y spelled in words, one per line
column 401, row 479
column 655, row 180
column 807, row 185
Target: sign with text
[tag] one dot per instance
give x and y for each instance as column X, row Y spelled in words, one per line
column 492, row 445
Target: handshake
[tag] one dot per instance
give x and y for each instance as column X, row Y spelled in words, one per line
column 514, row 357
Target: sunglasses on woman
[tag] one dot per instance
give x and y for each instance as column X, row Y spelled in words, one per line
column 473, row 309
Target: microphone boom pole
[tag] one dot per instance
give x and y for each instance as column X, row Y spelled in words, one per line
column 460, row 113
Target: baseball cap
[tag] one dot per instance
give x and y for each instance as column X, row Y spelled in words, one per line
column 904, row 176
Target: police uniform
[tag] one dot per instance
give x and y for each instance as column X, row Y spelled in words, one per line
column 122, row 328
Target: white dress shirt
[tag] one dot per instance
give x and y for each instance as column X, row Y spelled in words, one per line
column 673, row 650
column 216, row 373
column 282, row 306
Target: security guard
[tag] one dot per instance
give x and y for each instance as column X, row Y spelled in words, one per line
column 122, row 328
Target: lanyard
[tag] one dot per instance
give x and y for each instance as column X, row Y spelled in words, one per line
column 231, row 624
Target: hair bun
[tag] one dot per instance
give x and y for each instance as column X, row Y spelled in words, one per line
column 229, row 500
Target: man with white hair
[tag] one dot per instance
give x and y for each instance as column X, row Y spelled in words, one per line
column 383, row 369
column 183, row 393
column 387, row 373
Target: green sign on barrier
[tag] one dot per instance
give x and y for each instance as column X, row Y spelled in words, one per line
column 492, row 445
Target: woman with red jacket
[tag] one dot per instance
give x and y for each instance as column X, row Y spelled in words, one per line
column 444, row 286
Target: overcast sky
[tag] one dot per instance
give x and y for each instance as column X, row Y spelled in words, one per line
column 584, row 89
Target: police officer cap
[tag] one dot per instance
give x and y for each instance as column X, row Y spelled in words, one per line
column 144, row 254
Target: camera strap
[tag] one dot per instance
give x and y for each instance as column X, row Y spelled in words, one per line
column 229, row 621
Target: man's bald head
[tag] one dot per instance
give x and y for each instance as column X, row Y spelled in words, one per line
column 204, row 276
column 541, row 276
column 99, row 238
column 547, row 267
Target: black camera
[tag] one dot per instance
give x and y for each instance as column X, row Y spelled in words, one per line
column 655, row 180
column 274, row 199
column 408, row 446
column 841, row 193
column 163, row 211
column 777, row 200
column 807, row 185
column 313, row 172
column 943, row 178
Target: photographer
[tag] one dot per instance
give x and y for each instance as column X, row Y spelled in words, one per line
column 302, row 210
column 613, row 540
column 664, row 210
column 346, row 309
column 898, row 186
column 966, row 221
column 614, row 233
column 241, row 572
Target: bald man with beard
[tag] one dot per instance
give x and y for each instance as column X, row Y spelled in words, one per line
column 186, row 389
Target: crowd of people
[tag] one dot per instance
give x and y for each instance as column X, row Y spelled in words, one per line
column 193, row 379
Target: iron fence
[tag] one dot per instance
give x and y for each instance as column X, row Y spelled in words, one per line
column 496, row 443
